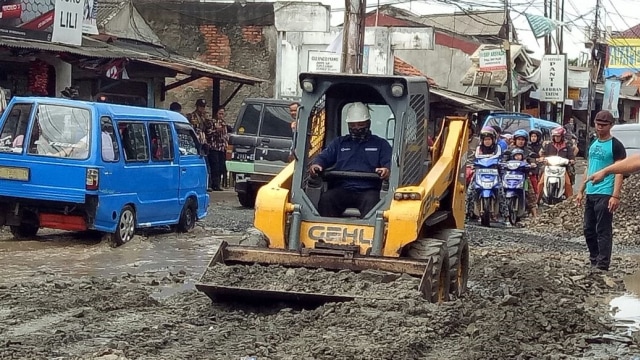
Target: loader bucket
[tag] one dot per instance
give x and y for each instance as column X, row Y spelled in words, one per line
column 230, row 255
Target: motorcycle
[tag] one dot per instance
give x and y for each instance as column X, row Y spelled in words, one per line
column 514, row 183
column 485, row 187
column 554, row 179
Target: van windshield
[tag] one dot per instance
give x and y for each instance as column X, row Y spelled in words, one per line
column 61, row 131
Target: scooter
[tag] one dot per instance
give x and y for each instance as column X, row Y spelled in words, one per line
column 514, row 183
column 554, row 179
column 486, row 185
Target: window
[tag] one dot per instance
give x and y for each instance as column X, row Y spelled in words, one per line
column 276, row 122
column 61, row 131
column 380, row 115
column 510, row 125
column 250, row 120
column 187, row 143
column 109, row 143
column 161, row 142
column 134, row 141
column 15, row 128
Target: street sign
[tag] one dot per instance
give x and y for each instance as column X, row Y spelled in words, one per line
column 553, row 71
column 323, row 61
column 491, row 60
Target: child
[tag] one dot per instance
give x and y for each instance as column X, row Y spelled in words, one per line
column 531, row 198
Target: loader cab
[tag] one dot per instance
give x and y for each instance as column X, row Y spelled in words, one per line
column 398, row 108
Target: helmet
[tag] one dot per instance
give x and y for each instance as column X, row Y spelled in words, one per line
column 521, row 134
column 488, row 131
column 517, row 151
column 537, row 132
column 358, row 112
column 559, row 131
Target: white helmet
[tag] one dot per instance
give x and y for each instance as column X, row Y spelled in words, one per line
column 358, row 112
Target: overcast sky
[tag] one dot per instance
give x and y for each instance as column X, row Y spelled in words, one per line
column 579, row 13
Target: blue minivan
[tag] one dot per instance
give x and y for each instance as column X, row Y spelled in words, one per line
column 78, row 166
column 509, row 122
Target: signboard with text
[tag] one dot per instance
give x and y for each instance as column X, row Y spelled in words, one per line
column 323, row 61
column 552, row 78
column 623, row 56
column 46, row 20
column 491, row 60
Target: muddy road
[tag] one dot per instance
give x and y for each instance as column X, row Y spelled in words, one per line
column 530, row 297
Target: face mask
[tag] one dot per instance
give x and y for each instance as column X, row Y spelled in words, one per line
column 360, row 134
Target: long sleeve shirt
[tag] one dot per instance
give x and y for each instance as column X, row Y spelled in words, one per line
column 345, row 154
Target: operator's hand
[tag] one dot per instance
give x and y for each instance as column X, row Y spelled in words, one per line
column 383, row 172
column 597, row 177
column 315, row 169
column 579, row 198
column 614, row 203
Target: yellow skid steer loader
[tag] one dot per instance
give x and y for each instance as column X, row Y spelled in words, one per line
column 416, row 228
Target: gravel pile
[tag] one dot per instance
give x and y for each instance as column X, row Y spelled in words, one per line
column 367, row 284
column 566, row 218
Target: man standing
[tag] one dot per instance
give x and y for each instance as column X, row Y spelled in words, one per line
column 602, row 199
column 216, row 133
column 198, row 119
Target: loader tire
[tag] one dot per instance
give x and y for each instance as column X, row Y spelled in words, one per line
column 458, row 247
column 436, row 250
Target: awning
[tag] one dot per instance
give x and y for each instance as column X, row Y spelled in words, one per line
column 469, row 102
column 99, row 49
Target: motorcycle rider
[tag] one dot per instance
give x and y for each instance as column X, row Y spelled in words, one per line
column 488, row 148
column 535, row 144
column 558, row 146
column 521, row 138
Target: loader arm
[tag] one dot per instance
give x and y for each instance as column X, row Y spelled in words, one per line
column 406, row 217
column 272, row 207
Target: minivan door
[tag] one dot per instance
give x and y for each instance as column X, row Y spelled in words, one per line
column 193, row 171
column 275, row 139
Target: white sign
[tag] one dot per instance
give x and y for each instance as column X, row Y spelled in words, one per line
column 578, row 79
column 323, row 61
column 67, row 22
column 89, row 17
column 491, row 60
column 552, row 78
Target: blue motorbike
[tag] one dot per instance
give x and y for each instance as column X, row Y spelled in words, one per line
column 486, row 187
column 514, row 183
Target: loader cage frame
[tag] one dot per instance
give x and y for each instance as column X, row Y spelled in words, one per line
column 320, row 124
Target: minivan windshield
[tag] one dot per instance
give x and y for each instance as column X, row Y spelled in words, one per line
column 60, row 131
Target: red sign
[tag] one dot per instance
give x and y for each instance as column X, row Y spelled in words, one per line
column 32, row 19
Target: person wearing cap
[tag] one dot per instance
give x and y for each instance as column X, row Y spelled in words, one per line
column 198, row 119
column 359, row 151
column 601, row 199
column 175, row 106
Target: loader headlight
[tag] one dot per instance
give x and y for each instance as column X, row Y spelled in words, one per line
column 397, row 90
column 308, row 85
column 406, row 196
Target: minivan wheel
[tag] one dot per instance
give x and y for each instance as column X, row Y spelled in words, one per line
column 24, row 230
column 126, row 227
column 187, row 217
column 247, row 199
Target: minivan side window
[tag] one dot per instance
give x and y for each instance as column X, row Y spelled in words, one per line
column 187, row 140
column 61, row 131
column 276, row 122
column 250, row 120
column 15, row 128
column 109, row 143
column 161, row 142
column 134, row 141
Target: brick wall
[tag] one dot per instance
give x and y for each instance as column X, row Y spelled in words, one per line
column 233, row 37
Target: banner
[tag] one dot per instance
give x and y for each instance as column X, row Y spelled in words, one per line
column 30, row 19
column 491, row 60
column 611, row 96
column 67, row 25
column 89, row 17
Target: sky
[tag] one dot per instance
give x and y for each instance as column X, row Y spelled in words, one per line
column 578, row 15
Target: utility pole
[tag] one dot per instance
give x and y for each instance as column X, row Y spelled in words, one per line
column 507, row 50
column 353, row 36
column 595, row 69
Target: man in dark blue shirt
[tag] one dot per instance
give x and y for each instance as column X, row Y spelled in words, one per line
column 360, row 151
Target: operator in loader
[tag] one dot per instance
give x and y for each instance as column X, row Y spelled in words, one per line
column 360, row 151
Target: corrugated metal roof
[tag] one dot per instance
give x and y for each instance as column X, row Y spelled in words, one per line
column 472, row 103
column 472, row 23
column 98, row 49
column 107, row 9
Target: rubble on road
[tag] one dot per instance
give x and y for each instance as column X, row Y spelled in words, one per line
column 566, row 219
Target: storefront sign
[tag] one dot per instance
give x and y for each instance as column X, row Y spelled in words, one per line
column 552, row 78
column 491, row 60
column 67, row 25
column 39, row 19
column 323, row 61
column 624, row 56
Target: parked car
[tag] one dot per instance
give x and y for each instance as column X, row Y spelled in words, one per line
column 259, row 146
column 509, row 122
column 629, row 136
column 75, row 165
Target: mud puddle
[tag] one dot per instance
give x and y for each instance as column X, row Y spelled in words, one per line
column 626, row 309
column 63, row 254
